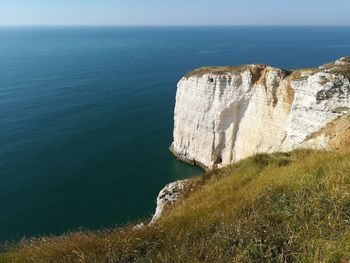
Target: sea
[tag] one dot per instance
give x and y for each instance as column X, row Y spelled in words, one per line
column 86, row 114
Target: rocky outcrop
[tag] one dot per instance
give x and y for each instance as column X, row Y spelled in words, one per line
column 225, row 114
column 335, row 135
column 168, row 196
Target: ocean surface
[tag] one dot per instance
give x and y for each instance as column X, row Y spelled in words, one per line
column 86, row 113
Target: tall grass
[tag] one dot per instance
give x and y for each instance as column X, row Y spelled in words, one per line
column 287, row 207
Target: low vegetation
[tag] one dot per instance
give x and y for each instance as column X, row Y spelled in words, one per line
column 216, row 70
column 286, row 207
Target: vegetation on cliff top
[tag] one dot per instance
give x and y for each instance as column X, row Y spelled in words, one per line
column 286, row 207
column 343, row 68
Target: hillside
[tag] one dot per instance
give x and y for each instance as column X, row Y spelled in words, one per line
column 284, row 207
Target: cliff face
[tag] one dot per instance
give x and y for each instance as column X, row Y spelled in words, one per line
column 225, row 114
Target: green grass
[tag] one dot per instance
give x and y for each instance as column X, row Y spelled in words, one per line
column 291, row 207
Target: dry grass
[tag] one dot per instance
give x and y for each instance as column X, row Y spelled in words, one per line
column 216, row 70
column 295, row 74
column 291, row 207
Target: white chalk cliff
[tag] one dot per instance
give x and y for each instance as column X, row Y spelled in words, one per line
column 224, row 114
column 167, row 197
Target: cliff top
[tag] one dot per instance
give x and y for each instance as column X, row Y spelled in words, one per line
column 217, row 70
column 340, row 66
column 223, row 70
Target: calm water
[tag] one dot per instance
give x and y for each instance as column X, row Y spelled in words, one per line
column 86, row 113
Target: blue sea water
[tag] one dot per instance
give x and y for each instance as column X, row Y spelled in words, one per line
column 86, row 113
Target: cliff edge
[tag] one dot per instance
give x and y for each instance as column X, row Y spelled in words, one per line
column 225, row 114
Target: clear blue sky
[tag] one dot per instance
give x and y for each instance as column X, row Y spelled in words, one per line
column 174, row 12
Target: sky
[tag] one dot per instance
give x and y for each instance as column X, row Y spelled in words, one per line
column 174, row 12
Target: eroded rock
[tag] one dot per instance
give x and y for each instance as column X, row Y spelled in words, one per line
column 168, row 196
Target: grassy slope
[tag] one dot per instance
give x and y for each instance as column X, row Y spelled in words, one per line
column 281, row 208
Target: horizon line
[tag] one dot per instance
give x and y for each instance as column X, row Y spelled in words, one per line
column 170, row 25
